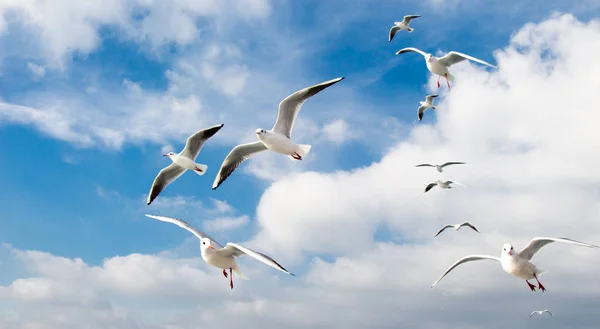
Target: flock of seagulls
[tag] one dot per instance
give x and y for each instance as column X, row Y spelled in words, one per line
column 278, row 139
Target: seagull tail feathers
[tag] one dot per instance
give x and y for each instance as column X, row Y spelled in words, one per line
column 409, row 29
column 200, row 169
column 303, row 150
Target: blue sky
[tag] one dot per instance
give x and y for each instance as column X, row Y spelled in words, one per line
column 81, row 128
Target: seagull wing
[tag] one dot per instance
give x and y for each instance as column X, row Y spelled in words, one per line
column 470, row 225
column 194, row 143
column 465, row 260
column 420, row 111
column 537, row 243
column 425, row 165
column 183, row 224
column 532, row 313
column 429, row 98
column 443, row 228
column 546, row 311
column 234, row 249
column 452, row 163
column 429, row 187
column 406, row 20
column 411, row 49
column 454, row 57
column 289, row 107
column 393, row 32
column 235, row 158
column 165, row 177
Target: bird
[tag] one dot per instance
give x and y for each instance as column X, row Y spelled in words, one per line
column 440, row 167
column 439, row 66
column 428, row 103
column 277, row 139
column 540, row 313
column 518, row 263
column 441, row 184
column 399, row 26
column 216, row 255
column 183, row 161
column 457, row 227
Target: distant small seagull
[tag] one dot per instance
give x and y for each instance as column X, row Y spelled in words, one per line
column 428, row 103
column 540, row 313
column 399, row 26
column 222, row 257
column 518, row 264
column 276, row 139
column 183, row 161
column 441, row 184
column 440, row 167
column 439, row 66
column 457, row 227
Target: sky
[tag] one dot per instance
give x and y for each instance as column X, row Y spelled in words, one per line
column 93, row 93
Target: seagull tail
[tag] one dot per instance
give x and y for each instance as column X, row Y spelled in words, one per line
column 540, row 272
column 409, row 29
column 200, row 169
column 450, row 77
column 240, row 275
column 303, row 150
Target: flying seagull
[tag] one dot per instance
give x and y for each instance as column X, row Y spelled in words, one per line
column 222, row 257
column 518, row 263
column 440, row 167
column 183, row 161
column 428, row 103
column 540, row 313
column 277, row 139
column 457, row 227
column 441, row 184
column 399, row 26
column 439, row 66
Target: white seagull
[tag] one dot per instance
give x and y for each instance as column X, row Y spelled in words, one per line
column 183, row 161
column 441, row 184
column 277, row 139
column 440, row 167
column 222, row 257
column 428, row 103
column 518, row 264
column 439, row 66
column 399, row 26
column 540, row 313
column 457, row 227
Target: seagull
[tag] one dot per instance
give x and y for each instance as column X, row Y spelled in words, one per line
column 399, row 26
column 428, row 103
column 518, row 264
column 183, row 161
column 457, row 227
column 439, row 66
column 441, row 184
column 540, row 313
column 440, row 167
column 277, row 139
column 222, row 257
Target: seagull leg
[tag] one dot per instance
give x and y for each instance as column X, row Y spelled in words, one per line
column 438, row 83
column 230, row 278
column 447, row 82
column 540, row 285
column 224, row 273
column 532, row 287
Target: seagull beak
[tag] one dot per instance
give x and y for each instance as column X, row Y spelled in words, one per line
column 211, row 247
column 510, row 253
column 258, row 133
column 165, row 155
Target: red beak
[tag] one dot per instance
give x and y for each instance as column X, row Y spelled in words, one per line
column 211, row 247
column 510, row 253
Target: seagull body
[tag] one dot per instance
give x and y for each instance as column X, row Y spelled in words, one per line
column 540, row 313
column 182, row 162
column 439, row 66
column 221, row 257
column 440, row 167
column 399, row 26
column 277, row 139
column 457, row 227
column 445, row 185
column 518, row 263
column 428, row 103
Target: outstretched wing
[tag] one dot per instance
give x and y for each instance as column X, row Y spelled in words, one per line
column 429, row 187
column 183, row 224
column 537, row 243
column 465, row 260
column 165, row 177
column 194, row 143
column 425, row 165
column 454, row 57
column 393, row 32
column 235, row 249
column 406, row 20
column 411, row 49
column 443, row 228
column 470, row 225
column 452, row 163
column 420, row 111
column 429, row 98
column 235, row 158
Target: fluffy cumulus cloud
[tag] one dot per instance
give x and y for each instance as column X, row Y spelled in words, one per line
column 528, row 134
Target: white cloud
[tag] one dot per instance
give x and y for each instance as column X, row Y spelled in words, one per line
column 226, row 223
column 37, row 71
column 338, row 131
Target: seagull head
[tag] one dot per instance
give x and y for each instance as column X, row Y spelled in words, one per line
column 508, row 249
column 170, row 154
column 428, row 57
column 260, row 131
column 205, row 244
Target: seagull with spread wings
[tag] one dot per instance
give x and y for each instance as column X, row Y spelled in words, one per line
column 440, row 167
column 427, row 104
column 403, row 25
column 457, row 227
column 540, row 313
column 277, row 139
column 439, row 66
column 519, row 263
column 183, row 161
column 441, row 184
column 222, row 257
